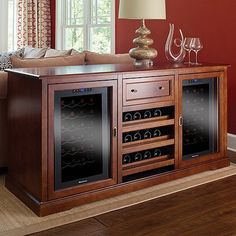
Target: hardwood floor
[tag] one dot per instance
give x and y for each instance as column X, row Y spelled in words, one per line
column 208, row 209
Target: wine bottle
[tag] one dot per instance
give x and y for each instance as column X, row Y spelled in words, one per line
column 127, row 138
column 156, row 153
column 126, row 159
column 147, row 114
column 137, row 136
column 157, row 112
column 147, row 155
column 138, row 156
column 156, row 133
column 137, row 116
column 127, row 117
column 147, row 134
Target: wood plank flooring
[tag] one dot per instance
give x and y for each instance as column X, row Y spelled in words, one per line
column 205, row 210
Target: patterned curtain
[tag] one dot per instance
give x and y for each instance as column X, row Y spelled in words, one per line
column 34, row 23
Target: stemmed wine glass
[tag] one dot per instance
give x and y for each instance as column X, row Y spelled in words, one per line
column 187, row 46
column 196, row 46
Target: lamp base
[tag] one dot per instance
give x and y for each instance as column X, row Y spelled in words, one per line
column 144, row 62
column 143, row 54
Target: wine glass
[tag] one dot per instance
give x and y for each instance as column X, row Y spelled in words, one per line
column 196, row 46
column 187, row 46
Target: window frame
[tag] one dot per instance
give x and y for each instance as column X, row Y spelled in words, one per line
column 60, row 25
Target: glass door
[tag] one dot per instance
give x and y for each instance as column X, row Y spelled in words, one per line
column 200, row 117
column 83, row 142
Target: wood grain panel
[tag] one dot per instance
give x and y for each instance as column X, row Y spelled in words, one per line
column 3, row 85
column 147, row 89
column 3, row 132
column 24, row 153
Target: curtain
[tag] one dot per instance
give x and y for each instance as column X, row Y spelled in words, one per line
column 34, row 23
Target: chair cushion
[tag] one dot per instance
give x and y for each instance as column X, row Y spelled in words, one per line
column 77, row 59
column 97, row 58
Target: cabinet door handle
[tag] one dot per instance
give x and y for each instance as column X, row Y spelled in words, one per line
column 134, row 90
column 180, row 121
column 115, row 131
column 161, row 88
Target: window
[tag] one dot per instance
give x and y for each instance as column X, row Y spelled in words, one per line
column 12, row 14
column 8, row 25
column 85, row 25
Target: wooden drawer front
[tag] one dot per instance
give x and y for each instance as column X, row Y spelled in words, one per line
column 147, row 90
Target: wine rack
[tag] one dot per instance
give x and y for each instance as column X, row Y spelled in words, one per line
column 154, row 113
column 148, row 134
column 147, row 140
column 77, row 147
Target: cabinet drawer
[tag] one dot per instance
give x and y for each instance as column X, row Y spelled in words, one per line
column 145, row 90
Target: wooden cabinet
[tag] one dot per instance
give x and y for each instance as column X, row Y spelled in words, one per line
column 80, row 134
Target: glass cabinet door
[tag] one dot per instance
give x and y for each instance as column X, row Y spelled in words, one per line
column 199, row 118
column 83, row 141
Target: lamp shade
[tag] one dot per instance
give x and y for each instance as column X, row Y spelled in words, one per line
column 142, row 9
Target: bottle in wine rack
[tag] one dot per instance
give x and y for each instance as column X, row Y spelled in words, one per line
column 137, row 116
column 72, row 114
column 147, row 134
column 91, row 101
column 147, row 155
column 138, row 156
column 156, row 133
column 127, row 117
column 156, row 152
column 128, row 138
column 157, row 112
column 126, row 159
column 137, row 136
column 147, row 114
column 82, row 102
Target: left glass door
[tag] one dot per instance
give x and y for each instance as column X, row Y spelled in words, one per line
column 84, row 150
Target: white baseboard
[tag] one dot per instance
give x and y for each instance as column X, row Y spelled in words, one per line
column 231, row 142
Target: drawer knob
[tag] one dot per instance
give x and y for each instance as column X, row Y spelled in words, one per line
column 161, row 88
column 134, row 90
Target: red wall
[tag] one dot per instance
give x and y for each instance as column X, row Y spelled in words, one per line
column 214, row 21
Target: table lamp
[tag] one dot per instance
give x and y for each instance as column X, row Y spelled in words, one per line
column 142, row 9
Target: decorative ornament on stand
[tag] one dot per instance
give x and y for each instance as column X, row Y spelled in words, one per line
column 177, row 57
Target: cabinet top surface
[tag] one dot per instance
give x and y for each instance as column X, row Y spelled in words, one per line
column 42, row 72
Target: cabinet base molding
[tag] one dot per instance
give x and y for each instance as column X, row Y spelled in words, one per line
column 62, row 204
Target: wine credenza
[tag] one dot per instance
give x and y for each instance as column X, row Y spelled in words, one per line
column 84, row 133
